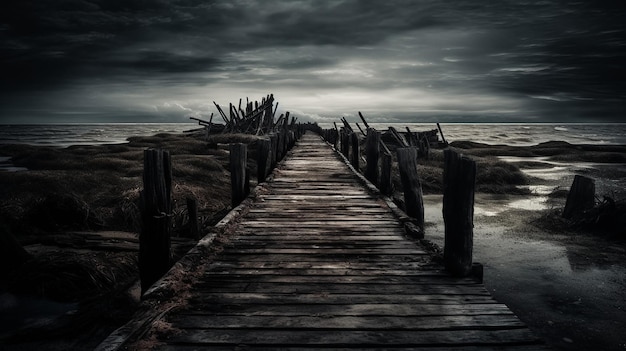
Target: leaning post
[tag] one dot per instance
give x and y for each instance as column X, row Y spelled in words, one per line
column 459, row 178
column 413, row 199
column 154, row 241
column 238, row 160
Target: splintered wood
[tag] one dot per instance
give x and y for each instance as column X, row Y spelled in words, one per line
column 318, row 262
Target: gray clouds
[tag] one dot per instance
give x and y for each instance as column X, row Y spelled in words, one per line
column 453, row 60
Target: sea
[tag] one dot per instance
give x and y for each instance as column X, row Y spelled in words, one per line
column 64, row 135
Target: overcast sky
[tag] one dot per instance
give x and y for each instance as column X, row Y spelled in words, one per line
column 414, row 61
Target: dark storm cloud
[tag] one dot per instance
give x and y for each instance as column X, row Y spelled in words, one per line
column 562, row 59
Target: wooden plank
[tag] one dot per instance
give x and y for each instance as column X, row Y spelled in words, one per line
column 310, row 288
column 326, row 298
column 415, row 323
column 358, row 338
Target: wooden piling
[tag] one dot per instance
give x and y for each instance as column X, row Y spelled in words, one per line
column 372, row 154
column 356, row 151
column 192, row 214
column 413, row 200
column 458, row 212
column 262, row 161
column 273, row 150
column 581, row 196
column 238, row 160
column 154, row 242
column 386, row 185
column 345, row 142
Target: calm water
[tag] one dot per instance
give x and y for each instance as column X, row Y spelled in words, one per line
column 512, row 134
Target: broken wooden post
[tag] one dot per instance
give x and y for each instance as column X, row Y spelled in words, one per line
column 413, row 201
column 238, row 160
column 459, row 179
column 581, row 196
column 154, row 242
column 372, row 154
column 192, row 214
column 386, row 185
column 262, row 162
column 356, row 151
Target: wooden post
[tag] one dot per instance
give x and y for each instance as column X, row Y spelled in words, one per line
column 262, row 162
column 372, row 153
column 459, row 180
column 345, row 143
column 386, row 186
column 154, row 242
column 581, row 196
column 414, row 203
column 192, row 213
column 356, row 151
column 273, row 150
column 238, row 160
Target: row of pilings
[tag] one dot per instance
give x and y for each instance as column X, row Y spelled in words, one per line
column 380, row 164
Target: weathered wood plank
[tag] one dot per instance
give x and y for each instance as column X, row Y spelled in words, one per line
column 357, row 338
column 415, row 323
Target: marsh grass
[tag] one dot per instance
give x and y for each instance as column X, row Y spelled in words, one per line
column 106, row 181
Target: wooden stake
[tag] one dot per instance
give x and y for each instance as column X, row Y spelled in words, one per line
column 154, row 242
column 414, row 202
column 459, row 180
column 386, row 186
column 262, row 162
column 372, row 153
column 356, row 151
column 238, row 160
column 192, row 213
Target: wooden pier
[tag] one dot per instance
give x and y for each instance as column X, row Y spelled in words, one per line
column 318, row 261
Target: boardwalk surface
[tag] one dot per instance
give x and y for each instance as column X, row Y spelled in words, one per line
column 318, row 262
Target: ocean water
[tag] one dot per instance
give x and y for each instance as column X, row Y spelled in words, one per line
column 63, row 135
